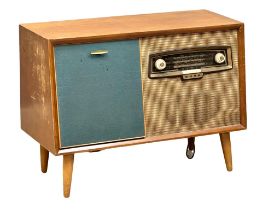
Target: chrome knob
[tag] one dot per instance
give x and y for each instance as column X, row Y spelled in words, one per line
column 220, row 58
column 160, row 64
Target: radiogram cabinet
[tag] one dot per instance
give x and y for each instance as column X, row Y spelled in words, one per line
column 93, row 84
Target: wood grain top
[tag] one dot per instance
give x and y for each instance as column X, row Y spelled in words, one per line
column 130, row 26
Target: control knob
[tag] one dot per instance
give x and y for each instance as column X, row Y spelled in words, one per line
column 220, row 58
column 160, row 64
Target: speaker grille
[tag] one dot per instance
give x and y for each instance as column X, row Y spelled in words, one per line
column 172, row 105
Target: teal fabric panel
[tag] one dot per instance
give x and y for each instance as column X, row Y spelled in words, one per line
column 99, row 97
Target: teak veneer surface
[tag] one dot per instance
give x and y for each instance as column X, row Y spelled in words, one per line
column 130, row 26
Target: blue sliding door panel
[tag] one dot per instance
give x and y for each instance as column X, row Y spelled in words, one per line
column 99, row 96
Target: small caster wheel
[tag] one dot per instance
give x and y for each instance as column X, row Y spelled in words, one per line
column 191, row 148
column 190, row 153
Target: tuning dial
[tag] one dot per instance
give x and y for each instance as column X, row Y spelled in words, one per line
column 160, row 64
column 220, row 58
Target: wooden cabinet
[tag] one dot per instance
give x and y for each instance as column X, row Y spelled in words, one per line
column 85, row 84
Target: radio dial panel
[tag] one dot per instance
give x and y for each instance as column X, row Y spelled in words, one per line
column 190, row 63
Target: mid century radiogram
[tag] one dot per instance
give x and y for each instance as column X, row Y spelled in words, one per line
column 94, row 84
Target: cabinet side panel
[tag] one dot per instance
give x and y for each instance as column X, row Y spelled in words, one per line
column 242, row 76
column 35, row 89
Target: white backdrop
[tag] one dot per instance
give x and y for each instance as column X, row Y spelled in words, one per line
column 158, row 175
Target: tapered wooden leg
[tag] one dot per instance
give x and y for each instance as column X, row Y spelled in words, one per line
column 44, row 155
column 68, row 161
column 226, row 145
